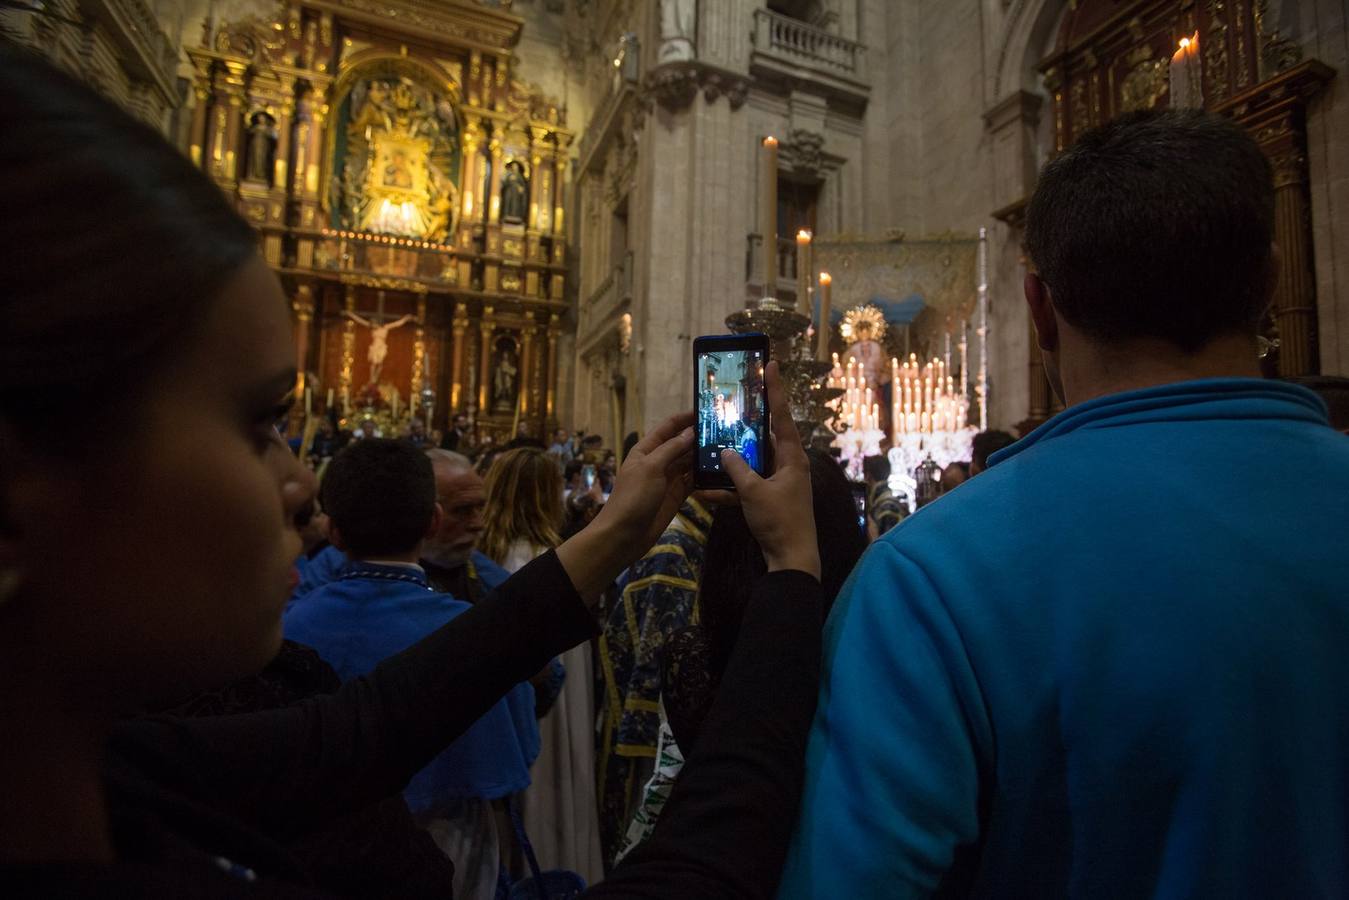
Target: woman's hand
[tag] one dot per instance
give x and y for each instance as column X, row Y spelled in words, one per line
column 654, row 481
column 779, row 509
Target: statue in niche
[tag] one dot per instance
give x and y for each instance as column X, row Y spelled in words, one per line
column 514, row 193
column 678, row 21
column 505, row 378
column 262, row 138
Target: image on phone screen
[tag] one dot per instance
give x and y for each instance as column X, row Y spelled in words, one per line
column 731, row 408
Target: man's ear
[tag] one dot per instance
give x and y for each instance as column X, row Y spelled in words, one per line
column 437, row 516
column 335, row 535
column 1041, row 305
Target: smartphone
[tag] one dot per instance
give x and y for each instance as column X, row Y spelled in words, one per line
column 859, row 496
column 588, row 473
column 731, row 401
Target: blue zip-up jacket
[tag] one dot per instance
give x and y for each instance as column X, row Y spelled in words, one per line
column 1116, row 664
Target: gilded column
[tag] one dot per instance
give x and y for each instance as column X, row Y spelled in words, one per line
column 196, row 141
column 304, row 121
column 485, row 327
column 475, row 78
column 559, row 179
column 526, row 367
column 303, row 307
column 494, row 201
column 420, row 369
column 344, row 377
column 285, row 116
column 458, row 326
column 470, row 178
column 499, row 89
column 539, row 204
column 233, row 84
column 550, row 388
column 1295, row 290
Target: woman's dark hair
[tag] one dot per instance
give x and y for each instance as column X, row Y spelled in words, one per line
column 381, row 494
column 115, row 246
column 1157, row 225
column 733, row 560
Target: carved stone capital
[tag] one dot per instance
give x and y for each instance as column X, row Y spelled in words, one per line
column 675, row 84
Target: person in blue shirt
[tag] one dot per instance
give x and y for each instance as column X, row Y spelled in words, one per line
column 381, row 501
column 1113, row 665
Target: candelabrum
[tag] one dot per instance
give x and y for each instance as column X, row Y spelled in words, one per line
column 801, row 373
column 929, row 420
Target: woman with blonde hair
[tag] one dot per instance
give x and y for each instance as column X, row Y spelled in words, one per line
column 523, row 514
column 523, row 519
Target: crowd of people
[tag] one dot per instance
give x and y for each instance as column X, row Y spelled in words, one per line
column 1110, row 663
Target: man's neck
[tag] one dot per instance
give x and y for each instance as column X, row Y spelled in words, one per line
column 410, row 558
column 1095, row 372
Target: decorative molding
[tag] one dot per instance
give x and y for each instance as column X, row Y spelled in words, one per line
column 803, row 152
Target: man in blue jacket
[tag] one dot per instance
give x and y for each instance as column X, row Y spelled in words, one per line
column 381, row 501
column 1114, row 664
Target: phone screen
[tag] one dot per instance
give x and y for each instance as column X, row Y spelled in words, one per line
column 588, row 473
column 732, row 411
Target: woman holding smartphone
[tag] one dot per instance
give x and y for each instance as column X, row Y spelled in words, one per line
column 154, row 559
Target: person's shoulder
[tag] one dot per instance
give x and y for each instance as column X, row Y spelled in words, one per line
column 488, row 571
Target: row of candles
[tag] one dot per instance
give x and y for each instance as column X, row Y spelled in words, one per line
column 924, row 397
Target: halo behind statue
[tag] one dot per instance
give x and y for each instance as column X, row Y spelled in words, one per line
column 863, row 323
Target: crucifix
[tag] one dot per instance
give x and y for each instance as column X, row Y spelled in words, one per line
column 379, row 326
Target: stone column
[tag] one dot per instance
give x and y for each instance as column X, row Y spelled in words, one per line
column 458, row 325
column 486, row 327
column 1011, row 126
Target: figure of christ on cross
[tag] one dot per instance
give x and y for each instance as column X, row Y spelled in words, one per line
column 379, row 337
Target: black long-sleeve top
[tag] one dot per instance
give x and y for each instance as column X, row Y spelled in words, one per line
column 200, row 807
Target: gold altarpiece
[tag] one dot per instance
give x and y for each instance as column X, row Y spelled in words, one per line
column 410, row 193
column 1112, row 56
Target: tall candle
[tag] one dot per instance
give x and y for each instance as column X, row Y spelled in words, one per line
column 768, row 214
column 822, row 347
column 803, row 273
column 330, row 399
column 1186, row 92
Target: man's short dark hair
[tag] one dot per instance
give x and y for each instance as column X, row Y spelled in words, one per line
column 875, row 468
column 1156, row 225
column 985, row 444
column 381, row 495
